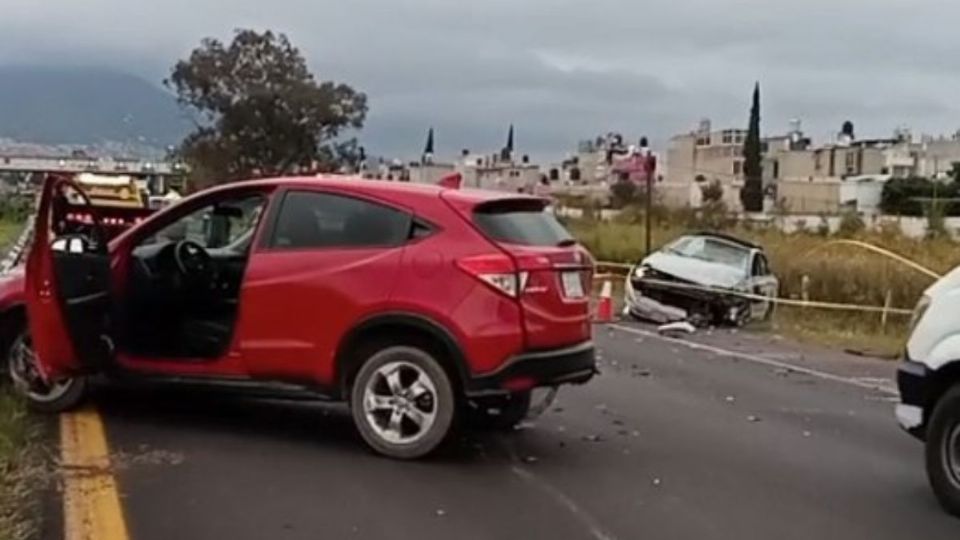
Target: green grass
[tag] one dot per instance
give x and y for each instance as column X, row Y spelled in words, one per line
column 836, row 274
column 8, row 233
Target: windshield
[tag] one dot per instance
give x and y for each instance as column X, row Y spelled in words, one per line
column 710, row 249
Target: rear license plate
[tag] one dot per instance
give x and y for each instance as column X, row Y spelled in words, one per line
column 572, row 284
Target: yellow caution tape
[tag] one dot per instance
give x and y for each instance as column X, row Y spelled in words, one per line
column 881, row 251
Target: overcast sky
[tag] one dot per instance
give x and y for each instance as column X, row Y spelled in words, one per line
column 561, row 70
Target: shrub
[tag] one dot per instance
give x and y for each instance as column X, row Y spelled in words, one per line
column 623, row 193
column 850, row 224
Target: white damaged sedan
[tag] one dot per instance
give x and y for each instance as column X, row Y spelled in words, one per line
column 700, row 278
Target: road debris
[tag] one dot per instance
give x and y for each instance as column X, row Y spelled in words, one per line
column 753, row 418
column 676, row 328
column 530, row 459
column 440, row 512
column 656, row 481
column 730, row 399
column 592, row 438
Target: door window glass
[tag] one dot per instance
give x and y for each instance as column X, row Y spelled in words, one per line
column 317, row 220
column 760, row 267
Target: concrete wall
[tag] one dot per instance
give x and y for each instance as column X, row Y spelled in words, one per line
column 810, row 196
column 506, row 178
column 913, row 227
column 432, row 173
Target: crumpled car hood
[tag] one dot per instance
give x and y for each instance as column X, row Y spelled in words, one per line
column 695, row 270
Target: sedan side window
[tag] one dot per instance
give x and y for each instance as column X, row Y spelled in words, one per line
column 316, row 220
column 760, row 266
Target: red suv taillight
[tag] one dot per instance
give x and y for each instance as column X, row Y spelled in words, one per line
column 506, row 274
column 496, row 270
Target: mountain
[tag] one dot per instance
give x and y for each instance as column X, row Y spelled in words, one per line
column 86, row 106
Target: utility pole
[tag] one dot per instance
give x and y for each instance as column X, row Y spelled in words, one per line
column 649, row 165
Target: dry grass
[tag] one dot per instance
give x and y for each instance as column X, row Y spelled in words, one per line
column 22, row 470
column 836, row 274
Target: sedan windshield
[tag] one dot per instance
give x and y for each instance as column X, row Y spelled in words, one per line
column 712, row 250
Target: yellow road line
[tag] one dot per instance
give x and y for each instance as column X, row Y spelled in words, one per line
column 91, row 503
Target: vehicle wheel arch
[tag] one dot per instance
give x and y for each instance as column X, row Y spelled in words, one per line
column 943, row 379
column 398, row 328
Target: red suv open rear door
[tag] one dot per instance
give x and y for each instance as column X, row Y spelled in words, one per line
column 67, row 285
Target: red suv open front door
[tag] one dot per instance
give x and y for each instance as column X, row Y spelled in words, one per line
column 67, row 285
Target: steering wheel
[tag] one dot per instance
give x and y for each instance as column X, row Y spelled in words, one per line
column 192, row 260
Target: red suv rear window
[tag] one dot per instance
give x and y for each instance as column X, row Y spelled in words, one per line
column 520, row 221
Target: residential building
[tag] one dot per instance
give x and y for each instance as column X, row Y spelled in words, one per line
column 702, row 156
column 845, row 173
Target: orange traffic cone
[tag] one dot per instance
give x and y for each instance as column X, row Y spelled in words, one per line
column 605, row 305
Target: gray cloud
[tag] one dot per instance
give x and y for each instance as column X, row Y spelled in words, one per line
column 561, row 70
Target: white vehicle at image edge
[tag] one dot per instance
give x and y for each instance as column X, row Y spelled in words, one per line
column 929, row 383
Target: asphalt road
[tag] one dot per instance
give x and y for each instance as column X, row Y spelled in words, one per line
column 670, row 442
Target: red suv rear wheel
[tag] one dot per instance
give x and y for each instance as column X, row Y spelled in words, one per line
column 402, row 402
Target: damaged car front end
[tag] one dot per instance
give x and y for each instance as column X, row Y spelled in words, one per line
column 705, row 279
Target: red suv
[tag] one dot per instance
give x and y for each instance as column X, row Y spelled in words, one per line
column 419, row 306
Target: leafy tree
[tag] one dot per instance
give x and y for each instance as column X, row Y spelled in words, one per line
column 713, row 213
column 623, row 193
column 259, row 109
column 752, row 193
column 913, row 196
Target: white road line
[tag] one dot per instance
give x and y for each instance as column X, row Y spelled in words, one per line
column 584, row 517
column 591, row 524
column 853, row 381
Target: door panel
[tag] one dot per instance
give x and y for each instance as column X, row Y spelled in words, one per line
column 67, row 286
column 328, row 261
column 296, row 305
